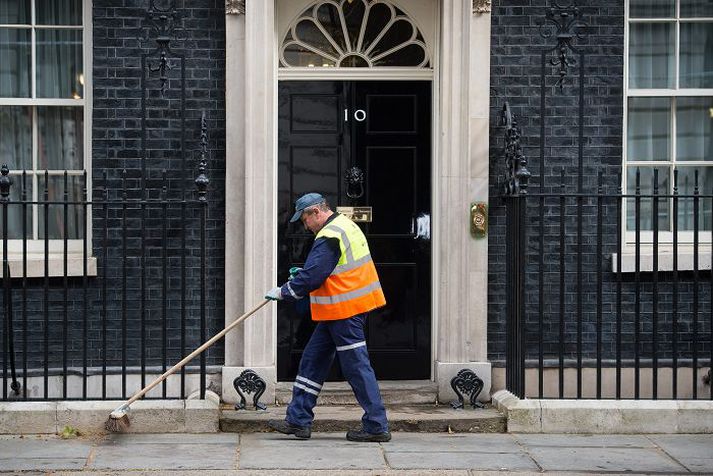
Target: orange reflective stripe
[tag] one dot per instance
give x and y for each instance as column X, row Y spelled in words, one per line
column 348, row 281
column 343, row 310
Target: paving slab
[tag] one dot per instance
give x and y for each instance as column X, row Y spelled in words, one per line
column 646, row 460
column 288, row 472
column 460, row 460
column 322, row 451
column 165, row 452
column 439, row 442
column 38, row 453
column 585, row 441
column 695, row 452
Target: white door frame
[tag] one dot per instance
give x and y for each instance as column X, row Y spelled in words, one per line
column 459, row 173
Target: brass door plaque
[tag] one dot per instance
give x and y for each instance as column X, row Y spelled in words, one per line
column 362, row 214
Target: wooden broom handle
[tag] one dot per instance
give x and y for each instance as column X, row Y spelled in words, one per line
column 190, row 356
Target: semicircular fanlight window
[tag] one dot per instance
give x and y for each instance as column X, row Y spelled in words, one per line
column 353, row 33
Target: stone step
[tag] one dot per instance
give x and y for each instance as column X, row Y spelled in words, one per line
column 401, row 392
column 415, row 418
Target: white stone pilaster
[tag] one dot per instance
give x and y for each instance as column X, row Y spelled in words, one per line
column 251, row 192
column 462, row 178
column 234, row 183
column 260, row 180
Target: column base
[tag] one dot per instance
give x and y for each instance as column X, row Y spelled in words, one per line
column 445, row 371
column 268, row 374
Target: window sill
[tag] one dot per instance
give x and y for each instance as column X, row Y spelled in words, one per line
column 665, row 261
column 55, row 264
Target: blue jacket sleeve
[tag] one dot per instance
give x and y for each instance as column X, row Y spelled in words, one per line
column 320, row 263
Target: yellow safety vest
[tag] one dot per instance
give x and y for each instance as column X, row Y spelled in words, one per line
column 353, row 287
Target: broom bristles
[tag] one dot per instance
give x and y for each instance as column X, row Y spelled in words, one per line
column 118, row 421
column 117, row 425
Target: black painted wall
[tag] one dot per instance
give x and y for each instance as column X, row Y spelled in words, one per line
column 517, row 45
column 121, row 35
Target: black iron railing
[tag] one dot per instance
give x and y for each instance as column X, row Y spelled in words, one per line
column 98, row 331
column 603, row 305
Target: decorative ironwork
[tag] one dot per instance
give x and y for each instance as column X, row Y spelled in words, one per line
column 202, row 180
column 5, row 182
column 466, row 382
column 567, row 23
column 235, row 7
column 356, row 34
column 516, row 174
column 482, row 6
column 355, row 182
column 249, row 382
column 164, row 22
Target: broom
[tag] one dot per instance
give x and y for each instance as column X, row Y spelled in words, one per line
column 119, row 419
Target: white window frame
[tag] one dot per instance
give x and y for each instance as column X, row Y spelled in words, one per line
column 665, row 238
column 35, row 248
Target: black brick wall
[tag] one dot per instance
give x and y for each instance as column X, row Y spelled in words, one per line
column 516, row 61
column 117, row 135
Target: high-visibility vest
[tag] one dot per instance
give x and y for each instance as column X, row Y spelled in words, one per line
column 353, row 287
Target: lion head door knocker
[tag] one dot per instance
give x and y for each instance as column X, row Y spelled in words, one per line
column 355, row 182
column 466, row 382
column 249, row 382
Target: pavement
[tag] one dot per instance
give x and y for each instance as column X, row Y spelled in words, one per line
column 462, row 454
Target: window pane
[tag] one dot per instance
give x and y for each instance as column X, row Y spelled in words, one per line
column 649, row 129
column 686, row 186
column 696, row 8
column 696, row 52
column 296, row 55
column 651, row 8
column 14, row 210
column 59, row 64
column 308, row 33
column 399, row 32
column 75, row 225
column 58, row 12
column 694, row 140
column 16, row 137
column 328, row 16
column 61, row 138
column 646, row 190
column 411, row 55
column 15, row 51
column 651, row 55
column 15, row 11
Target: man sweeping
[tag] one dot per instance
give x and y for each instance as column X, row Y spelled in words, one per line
column 340, row 278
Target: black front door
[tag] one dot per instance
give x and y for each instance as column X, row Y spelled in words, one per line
column 330, row 132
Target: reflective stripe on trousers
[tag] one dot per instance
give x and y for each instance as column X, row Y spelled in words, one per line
column 345, row 336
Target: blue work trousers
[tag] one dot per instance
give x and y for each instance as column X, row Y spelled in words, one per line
column 345, row 336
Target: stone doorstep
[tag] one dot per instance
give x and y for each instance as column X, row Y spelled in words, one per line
column 402, row 392
column 588, row 416
column 412, row 418
column 89, row 417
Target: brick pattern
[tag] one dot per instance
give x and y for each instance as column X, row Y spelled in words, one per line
column 199, row 49
column 516, row 70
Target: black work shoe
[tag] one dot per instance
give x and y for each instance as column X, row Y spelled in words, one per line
column 361, row 435
column 288, row 428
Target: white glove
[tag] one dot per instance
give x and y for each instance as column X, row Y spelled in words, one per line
column 274, row 294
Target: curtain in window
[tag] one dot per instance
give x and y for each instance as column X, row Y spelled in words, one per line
column 696, row 55
column 651, row 55
column 651, row 8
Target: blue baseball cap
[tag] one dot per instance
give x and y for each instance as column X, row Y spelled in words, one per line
column 305, row 201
